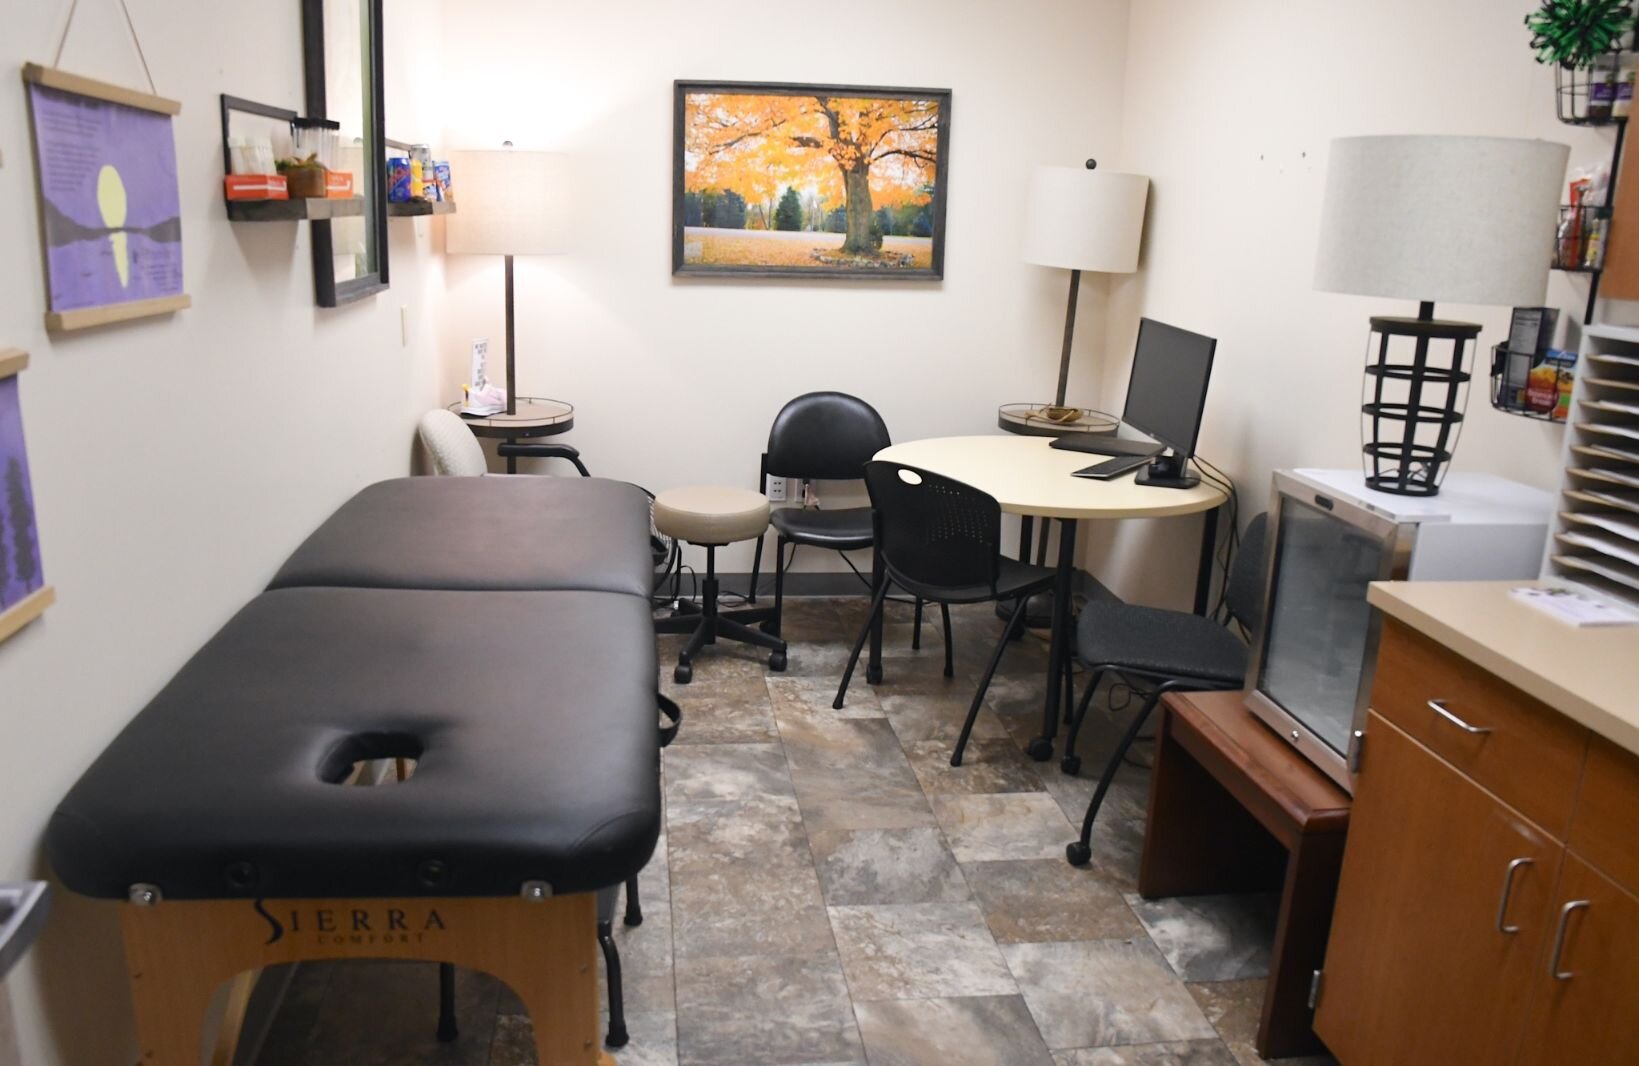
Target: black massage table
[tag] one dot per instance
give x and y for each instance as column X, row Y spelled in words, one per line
column 221, row 814
column 492, row 533
column 483, row 533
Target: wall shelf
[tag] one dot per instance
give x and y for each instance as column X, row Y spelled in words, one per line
column 1572, row 91
column 311, row 208
column 420, row 208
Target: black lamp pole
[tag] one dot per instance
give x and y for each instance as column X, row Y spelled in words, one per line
column 1069, row 334
column 511, row 346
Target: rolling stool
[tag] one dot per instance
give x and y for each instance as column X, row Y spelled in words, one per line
column 713, row 516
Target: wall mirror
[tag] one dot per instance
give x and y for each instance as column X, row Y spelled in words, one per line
column 341, row 42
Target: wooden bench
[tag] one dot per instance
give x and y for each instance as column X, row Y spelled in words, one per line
column 1283, row 826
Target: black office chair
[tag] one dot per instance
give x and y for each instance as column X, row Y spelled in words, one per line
column 823, row 436
column 1173, row 650
column 940, row 541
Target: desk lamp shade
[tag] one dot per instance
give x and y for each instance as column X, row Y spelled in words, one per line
column 1432, row 218
column 1081, row 218
column 507, row 203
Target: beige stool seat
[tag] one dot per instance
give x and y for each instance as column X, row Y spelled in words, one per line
column 711, row 514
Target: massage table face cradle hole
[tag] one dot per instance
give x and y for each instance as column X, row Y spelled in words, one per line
column 350, row 761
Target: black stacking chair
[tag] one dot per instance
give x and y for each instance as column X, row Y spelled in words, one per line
column 1170, row 650
column 940, row 541
column 823, row 436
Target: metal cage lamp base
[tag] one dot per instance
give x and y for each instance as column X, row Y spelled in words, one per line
column 1414, row 407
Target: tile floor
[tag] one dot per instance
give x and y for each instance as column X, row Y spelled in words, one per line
column 829, row 889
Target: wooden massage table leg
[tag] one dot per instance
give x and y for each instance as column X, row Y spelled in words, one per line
column 179, row 952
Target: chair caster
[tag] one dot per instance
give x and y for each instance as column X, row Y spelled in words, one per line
column 776, row 662
column 1040, row 749
column 683, row 674
column 1078, row 853
column 617, row 1037
column 1070, row 764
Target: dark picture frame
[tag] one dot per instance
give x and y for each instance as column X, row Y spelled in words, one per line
column 328, row 290
column 853, row 238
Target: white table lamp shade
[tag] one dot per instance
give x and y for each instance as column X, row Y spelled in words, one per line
column 508, row 202
column 1448, row 219
column 1083, row 219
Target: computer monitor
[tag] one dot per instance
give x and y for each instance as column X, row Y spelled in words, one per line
column 1167, row 392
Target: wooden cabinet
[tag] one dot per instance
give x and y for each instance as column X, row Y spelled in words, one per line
column 1488, row 909
column 1584, row 1010
column 1507, row 743
column 1424, row 964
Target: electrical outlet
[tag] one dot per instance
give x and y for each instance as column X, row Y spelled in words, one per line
column 775, row 489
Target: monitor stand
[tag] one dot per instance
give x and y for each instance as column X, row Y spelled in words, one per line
column 1170, row 471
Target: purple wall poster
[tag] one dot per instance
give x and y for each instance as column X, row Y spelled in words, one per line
column 111, row 213
column 20, row 571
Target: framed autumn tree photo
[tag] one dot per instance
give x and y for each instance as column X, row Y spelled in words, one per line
column 775, row 180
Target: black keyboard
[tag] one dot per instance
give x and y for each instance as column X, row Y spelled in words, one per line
column 1113, row 468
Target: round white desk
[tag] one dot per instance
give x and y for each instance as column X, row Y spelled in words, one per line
column 1031, row 479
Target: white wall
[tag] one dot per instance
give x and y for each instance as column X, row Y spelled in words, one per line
column 675, row 381
column 1229, row 109
column 176, row 461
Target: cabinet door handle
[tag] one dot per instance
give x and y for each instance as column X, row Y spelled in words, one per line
column 1439, row 708
column 1507, row 891
column 1559, row 938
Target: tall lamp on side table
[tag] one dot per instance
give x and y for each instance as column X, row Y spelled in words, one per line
column 1079, row 218
column 1466, row 220
column 509, row 201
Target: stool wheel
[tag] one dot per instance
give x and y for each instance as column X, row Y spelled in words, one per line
column 1070, row 764
column 1040, row 749
column 776, row 662
column 683, row 674
column 1078, row 853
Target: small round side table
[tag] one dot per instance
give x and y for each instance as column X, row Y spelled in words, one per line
column 1030, row 420
column 536, row 416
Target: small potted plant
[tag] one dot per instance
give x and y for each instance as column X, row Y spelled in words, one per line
column 1575, row 33
column 305, row 177
column 1581, row 37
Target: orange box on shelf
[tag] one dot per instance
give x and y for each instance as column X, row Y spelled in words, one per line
column 256, row 187
column 338, row 185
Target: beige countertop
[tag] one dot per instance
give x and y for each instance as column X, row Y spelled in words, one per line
column 1589, row 674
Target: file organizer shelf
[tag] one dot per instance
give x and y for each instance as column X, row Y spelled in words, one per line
column 1595, row 541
